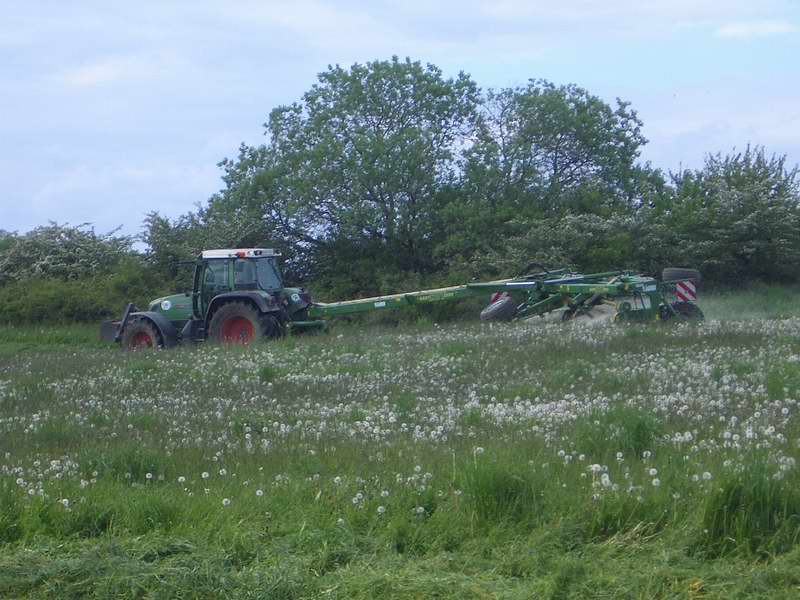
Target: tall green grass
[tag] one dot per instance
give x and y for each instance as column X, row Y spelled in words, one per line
column 32, row 336
column 505, row 515
column 754, row 302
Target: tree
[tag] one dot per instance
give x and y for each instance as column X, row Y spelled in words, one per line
column 542, row 152
column 737, row 219
column 355, row 171
column 7, row 239
column 539, row 146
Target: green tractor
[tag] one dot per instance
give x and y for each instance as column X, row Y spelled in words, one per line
column 237, row 297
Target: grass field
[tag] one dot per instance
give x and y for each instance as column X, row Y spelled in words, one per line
column 454, row 461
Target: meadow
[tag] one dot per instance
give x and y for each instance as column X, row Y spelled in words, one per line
column 461, row 460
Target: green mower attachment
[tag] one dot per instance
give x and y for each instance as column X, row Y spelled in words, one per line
column 631, row 297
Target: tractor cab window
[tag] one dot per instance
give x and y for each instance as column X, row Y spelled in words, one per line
column 269, row 278
column 215, row 281
column 216, row 275
column 254, row 274
column 244, row 275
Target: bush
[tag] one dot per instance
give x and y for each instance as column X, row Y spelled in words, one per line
column 87, row 299
column 61, row 252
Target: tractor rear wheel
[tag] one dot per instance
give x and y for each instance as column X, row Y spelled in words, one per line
column 502, row 309
column 140, row 334
column 240, row 323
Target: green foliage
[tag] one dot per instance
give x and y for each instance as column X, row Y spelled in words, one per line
column 389, row 176
column 170, row 243
column 352, row 175
column 544, row 146
column 590, row 243
column 500, row 493
column 50, row 300
column 622, row 429
column 757, row 301
column 737, row 220
column 268, row 374
column 368, row 187
column 126, row 463
column 514, row 519
column 61, row 252
column 10, row 513
column 38, row 337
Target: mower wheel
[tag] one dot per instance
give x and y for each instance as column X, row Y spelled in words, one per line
column 679, row 274
column 684, row 311
column 140, row 334
column 241, row 323
column 502, row 309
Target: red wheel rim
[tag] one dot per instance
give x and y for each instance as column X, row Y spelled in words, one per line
column 142, row 340
column 238, row 330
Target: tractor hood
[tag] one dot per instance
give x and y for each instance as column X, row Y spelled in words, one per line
column 177, row 307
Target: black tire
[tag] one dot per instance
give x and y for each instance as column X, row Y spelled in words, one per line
column 683, row 311
column 272, row 326
column 502, row 309
column 680, row 274
column 241, row 323
column 140, row 334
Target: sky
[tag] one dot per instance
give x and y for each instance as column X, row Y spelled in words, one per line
column 112, row 109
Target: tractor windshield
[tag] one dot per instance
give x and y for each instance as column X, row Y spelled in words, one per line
column 258, row 273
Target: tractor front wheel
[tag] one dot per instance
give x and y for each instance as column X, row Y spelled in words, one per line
column 240, row 323
column 140, row 334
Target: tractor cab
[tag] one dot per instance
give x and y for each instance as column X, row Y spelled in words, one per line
column 228, row 271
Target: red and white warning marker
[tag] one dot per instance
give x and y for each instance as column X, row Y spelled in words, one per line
column 686, row 291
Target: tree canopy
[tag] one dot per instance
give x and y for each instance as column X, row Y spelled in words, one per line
column 60, row 252
column 541, row 146
column 390, row 175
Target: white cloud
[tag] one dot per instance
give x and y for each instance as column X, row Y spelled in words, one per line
column 113, row 69
column 753, row 29
column 683, row 130
column 110, row 194
column 632, row 16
